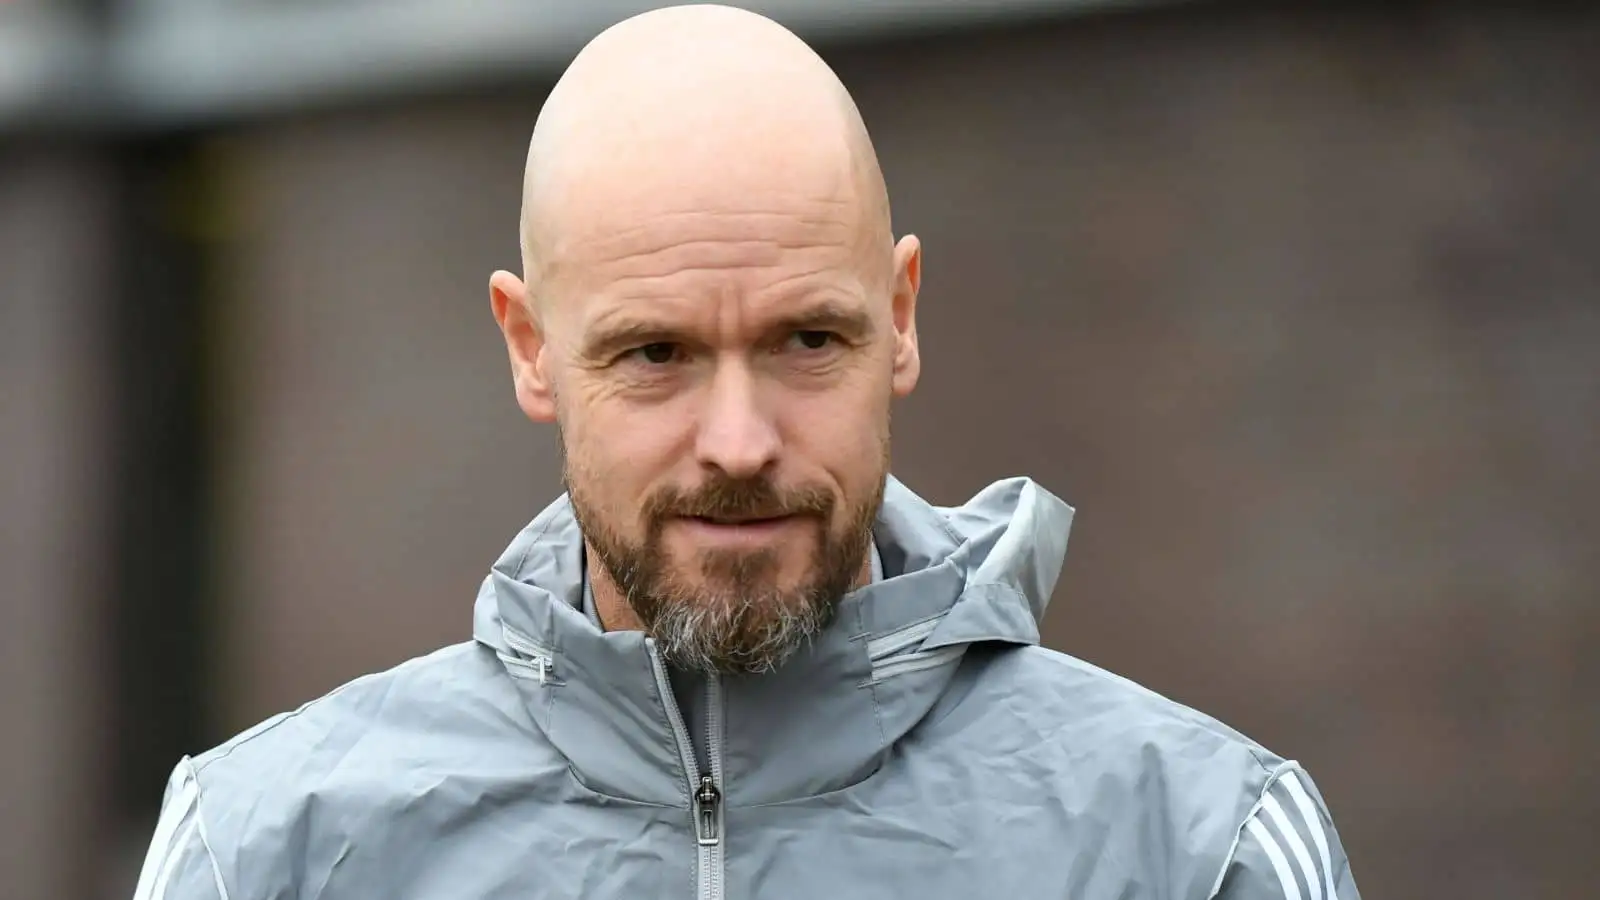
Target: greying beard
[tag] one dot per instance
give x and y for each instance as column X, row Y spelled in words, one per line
column 737, row 621
column 752, row 634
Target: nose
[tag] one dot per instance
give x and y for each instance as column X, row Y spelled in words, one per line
column 736, row 434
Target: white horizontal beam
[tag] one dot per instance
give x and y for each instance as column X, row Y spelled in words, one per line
column 166, row 63
column 48, row 62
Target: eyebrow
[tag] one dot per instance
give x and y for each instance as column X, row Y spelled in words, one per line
column 849, row 322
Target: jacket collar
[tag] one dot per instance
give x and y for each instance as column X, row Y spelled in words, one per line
column 826, row 717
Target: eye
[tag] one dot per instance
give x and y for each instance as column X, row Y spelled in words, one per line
column 657, row 354
column 813, row 340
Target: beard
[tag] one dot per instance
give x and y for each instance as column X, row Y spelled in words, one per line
column 737, row 618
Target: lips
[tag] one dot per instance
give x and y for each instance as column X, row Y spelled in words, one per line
column 723, row 520
column 738, row 531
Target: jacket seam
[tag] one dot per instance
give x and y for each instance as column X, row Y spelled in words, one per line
column 200, row 828
column 950, row 531
column 1274, row 775
column 533, row 541
column 1011, row 592
column 1185, row 714
column 864, row 635
column 282, row 719
column 872, row 686
column 204, row 764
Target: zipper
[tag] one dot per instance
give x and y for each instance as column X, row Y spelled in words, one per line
column 916, row 662
column 539, row 662
column 896, row 641
column 705, row 792
column 711, row 879
column 524, row 644
column 707, row 804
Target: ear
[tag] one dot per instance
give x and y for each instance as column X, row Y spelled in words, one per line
column 509, row 300
column 907, row 282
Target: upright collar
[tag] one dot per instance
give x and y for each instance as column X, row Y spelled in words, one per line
column 823, row 720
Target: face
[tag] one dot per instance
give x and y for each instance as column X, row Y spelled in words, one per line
column 722, row 379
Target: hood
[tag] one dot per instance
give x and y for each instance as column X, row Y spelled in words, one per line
column 981, row 572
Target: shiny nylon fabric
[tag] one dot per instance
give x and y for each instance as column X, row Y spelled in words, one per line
column 925, row 746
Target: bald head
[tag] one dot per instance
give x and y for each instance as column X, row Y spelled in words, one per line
column 694, row 107
column 719, row 321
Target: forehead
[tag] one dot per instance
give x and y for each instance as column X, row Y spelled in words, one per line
column 618, row 191
column 746, row 257
column 731, row 280
column 599, row 212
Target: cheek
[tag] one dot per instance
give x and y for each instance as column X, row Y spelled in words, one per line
column 843, row 435
column 622, row 454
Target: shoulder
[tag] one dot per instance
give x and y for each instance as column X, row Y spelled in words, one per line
column 1171, row 786
column 1115, row 714
column 1288, row 847
column 362, row 717
column 446, row 726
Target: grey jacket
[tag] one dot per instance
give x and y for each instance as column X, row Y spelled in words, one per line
column 925, row 746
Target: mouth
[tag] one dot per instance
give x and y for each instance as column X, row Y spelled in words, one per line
column 738, row 529
column 738, row 521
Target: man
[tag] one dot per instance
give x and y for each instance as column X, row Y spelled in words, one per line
column 738, row 659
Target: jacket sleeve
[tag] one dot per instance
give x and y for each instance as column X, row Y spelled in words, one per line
column 179, row 864
column 1288, row 848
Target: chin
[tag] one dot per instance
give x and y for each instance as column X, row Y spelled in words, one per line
column 737, row 588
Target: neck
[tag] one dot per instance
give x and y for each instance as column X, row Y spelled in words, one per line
column 616, row 614
column 609, row 603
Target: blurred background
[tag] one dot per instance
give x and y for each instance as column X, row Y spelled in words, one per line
column 1296, row 303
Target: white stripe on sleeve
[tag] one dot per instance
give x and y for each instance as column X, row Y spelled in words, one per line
column 164, row 850
column 1308, row 811
column 216, row 868
column 1297, row 847
column 185, row 837
column 1280, row 864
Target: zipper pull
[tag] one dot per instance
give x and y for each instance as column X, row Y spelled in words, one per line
column 707, row 812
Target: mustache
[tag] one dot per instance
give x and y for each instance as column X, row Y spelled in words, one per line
column 739, row 498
